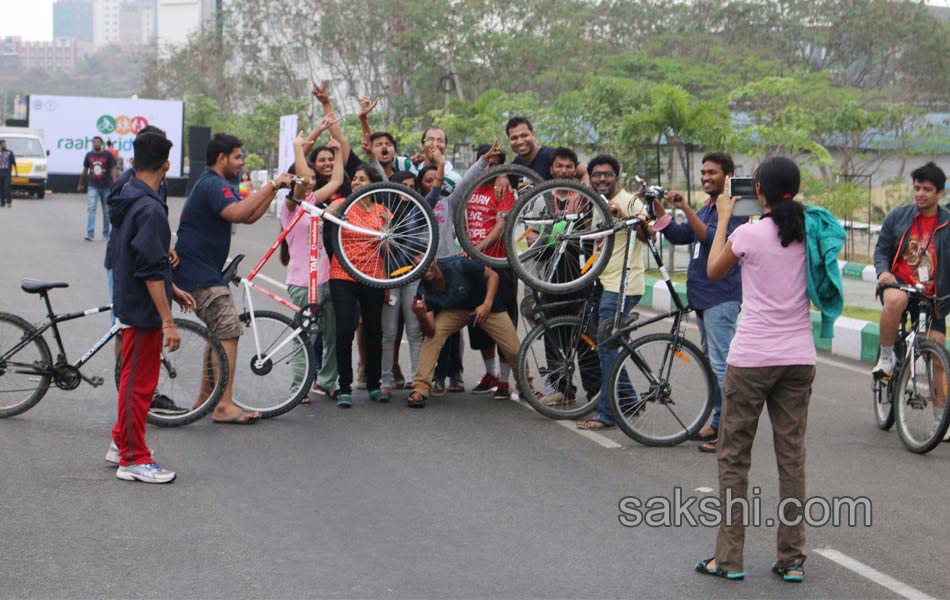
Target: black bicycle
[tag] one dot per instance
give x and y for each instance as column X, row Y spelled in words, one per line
column 27, row 367
column 916, row 397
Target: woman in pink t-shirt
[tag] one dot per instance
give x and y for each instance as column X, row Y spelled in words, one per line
column 295, row 250
column 771, row 363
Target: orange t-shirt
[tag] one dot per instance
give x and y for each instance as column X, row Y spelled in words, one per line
column 918, row 260
column 362, row 251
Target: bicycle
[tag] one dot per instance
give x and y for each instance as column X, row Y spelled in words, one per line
column 281, row 358
column 916, row 399
column 27, row 368
column 636, row 414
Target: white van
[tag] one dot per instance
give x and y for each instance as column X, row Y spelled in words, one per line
column 27, row 145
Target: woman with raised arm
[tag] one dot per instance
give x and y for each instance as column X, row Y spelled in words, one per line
column 295, row 249
column 761, row 373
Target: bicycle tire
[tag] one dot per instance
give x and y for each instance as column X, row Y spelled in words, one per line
column 576, row 371
column 14, row 329
column 464, row 211
column 200, row 356
column 278, row 385
column 411, row 231
column 882, row 395
column 642, row 416
column 926, row 432
column 535, row 251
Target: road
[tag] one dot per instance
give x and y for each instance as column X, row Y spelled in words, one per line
column 469, row 498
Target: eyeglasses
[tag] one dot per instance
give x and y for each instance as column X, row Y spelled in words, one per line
column 602, row 175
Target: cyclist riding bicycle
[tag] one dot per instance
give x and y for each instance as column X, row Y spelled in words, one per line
column 914, row 247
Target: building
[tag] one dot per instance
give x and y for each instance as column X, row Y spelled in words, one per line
column 178, row 19
column 73, row 19
column 137, row 23
column 62, row 54
column 105, row 22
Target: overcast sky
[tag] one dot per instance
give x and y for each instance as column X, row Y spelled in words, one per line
column 33, row 19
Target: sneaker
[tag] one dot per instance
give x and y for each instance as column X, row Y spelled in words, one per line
column 150, row 473
column 438, row 388
column 381, row 396
column 502, row 392
column 885, row 366
column 361, row 381
column 88, row 239
column 488, row 384
column 163, row 405
column 344, row 401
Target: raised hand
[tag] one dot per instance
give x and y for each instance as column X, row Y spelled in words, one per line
column 320, row 93
column 366, row 106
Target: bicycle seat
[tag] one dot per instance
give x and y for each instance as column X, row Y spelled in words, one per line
column 229, row 273
column 35, row 286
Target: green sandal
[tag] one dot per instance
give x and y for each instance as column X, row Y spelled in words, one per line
column 703, row 567
column 786, row 572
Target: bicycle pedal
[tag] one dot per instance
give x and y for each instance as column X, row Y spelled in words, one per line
column 96, row 381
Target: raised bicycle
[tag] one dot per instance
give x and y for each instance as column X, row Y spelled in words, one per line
column 276, row 368
column 917, row 396
column 192, row 377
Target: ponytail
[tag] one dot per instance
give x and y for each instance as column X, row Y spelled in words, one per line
column 779, row 179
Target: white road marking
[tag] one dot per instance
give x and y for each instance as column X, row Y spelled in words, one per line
column 901, row 589
column 571, row 426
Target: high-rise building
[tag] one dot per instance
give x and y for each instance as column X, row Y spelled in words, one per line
column 177, row 19
column 73, row 19
column 105, row 21
column 137, row 22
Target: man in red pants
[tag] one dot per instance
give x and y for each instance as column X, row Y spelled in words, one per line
column 142, row 304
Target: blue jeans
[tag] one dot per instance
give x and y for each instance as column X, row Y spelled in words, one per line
column 717, row 326
column 608, row 305
column 96, row 195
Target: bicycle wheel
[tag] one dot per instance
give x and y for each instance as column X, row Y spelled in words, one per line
column 21, row 387
column 477, row 212
column 409, row 242
column 921, row 398
column 191, row 380
column 559, row 370
column 275, row 364
column 882, row 394
column 660, row 389
column 542, row 237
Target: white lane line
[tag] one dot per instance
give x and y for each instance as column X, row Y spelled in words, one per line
column 571, row 426
column 901, row 589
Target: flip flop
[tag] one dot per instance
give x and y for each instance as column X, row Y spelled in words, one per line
column 703, row 567
column 242, row 418
column 594, row 425
column 785, row 572
column 710, row 447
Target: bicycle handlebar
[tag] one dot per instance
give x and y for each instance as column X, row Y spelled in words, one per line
column 912, row 290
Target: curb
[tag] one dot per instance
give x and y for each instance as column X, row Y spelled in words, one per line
column 853, row 270
column 853, row 339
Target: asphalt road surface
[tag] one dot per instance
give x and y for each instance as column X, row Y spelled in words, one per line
column 469, row 498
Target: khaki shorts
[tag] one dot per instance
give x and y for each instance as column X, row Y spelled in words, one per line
column 215, row 307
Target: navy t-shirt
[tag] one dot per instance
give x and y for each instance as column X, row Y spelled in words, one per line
column 100, row 165
column 7, row 160
column 541, row 163
column 465, row 286
column 204, row 236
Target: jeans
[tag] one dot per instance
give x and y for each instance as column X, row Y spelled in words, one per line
column 717, row 326
column 608, row 305
column 6, row 196
column 352, row 300
column 96, row 195
column 403, row 296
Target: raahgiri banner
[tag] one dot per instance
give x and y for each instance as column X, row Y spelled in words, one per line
column 70, row 123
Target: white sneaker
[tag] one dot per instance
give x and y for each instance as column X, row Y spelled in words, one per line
column 150, row 473
column 885, row 366
column 112, row 454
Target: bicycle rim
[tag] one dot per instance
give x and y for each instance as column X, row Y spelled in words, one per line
column 542, row 237
column 922, row 398
column 660, row 389
column 191, row 379
column 479, row 206
column 274, row 381
column 882, row 392
column 559, row 369
column 410, row 236
column 20, row 387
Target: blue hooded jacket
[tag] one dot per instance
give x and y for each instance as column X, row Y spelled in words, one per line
column 139, row 253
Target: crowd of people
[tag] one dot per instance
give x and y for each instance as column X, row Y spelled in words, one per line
column 772, row 268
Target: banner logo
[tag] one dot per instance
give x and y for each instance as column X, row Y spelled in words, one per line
column 122, row 125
